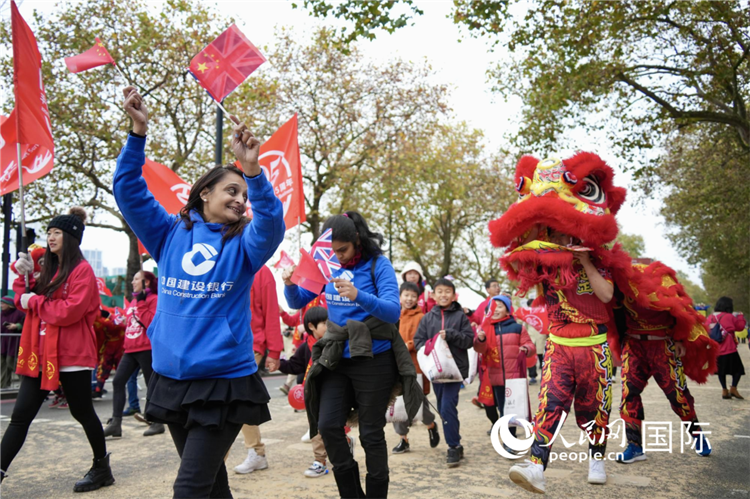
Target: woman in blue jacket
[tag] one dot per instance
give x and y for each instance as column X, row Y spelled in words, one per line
column 360, row 291
column 205, row 383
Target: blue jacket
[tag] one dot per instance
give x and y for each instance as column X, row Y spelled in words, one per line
column 202, row 323
column 381, row 301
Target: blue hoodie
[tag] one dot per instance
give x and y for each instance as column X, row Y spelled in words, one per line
column 381, row 302
column 202, row 323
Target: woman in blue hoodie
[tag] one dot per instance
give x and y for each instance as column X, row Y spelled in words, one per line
column 205, row 383
column 363, row 290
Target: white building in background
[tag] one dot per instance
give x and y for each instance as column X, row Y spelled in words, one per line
column 94, row 257
column 117, row 271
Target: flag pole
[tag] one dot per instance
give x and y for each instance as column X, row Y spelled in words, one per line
column 24, row 243
column 121, row 73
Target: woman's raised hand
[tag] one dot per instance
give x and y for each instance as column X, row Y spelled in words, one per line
column 136, row 109
column 245, row 147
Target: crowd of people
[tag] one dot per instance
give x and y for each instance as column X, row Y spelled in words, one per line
column 201, row 331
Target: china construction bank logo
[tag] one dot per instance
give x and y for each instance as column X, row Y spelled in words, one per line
column 205, row 253
column 279, row 173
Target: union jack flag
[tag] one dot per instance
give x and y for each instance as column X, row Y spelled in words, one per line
column 323, row 254
column 119, row 317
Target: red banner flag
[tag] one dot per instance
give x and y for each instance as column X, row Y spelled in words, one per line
column 33, row 129
column 37, row 160
column 284, row 261
column 279, row 158
column 94, row 57
column 226, row 63
column 103, row 289
column 308, row 275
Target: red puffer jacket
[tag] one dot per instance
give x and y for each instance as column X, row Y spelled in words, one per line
column 731, row 324
column 139, row 317
column 503, row 363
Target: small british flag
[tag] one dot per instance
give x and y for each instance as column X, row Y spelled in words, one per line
column 323, row 254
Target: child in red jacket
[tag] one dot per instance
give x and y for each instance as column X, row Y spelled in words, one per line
column 58, row 343
column 500, row 341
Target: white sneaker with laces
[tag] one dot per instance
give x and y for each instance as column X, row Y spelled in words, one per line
column 597, row 475
column 528, row 475
column 306, row 437
column 317, row 469
column 251, row 463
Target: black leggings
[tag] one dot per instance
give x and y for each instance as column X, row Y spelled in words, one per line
column 128, row 365
column 202, row 471
column 77, row 388
column 735, row 380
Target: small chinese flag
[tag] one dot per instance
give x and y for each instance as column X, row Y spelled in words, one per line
column 94, row 57
column 308, row 275
column 226, row 63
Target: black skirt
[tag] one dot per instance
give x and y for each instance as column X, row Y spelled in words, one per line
column 730, row 364
column 208, row 402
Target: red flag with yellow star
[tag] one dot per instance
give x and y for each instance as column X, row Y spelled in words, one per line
column 94, row 57
column 226, row 63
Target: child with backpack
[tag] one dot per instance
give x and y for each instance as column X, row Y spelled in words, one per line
column 448, row 320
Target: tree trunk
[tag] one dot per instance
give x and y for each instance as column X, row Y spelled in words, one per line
column 134, row 262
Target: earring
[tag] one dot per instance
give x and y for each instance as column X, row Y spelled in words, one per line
column 204, row 200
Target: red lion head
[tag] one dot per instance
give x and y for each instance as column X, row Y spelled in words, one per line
column 563, row 206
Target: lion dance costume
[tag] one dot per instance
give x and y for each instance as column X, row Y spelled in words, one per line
column 577, row 198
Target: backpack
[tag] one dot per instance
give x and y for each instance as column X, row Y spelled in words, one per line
column 717, row 332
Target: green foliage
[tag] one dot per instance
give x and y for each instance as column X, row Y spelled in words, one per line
column 708, row 207
column 633, row 244
column 366, row 16
column 695, row 291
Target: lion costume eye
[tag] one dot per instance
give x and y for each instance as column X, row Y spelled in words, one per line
column 591, row 191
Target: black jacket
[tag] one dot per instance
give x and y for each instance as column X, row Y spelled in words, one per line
column 458, row 332
column 298, row 363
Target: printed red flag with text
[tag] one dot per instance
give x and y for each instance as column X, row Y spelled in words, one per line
column 279, row 158
column 226, row 63
column 94, row 57
column 308, row 275
column 103, row 289
column 167, row 187
column 536, row 317
column 37, row 160
column 33, row 129
column 284, row 261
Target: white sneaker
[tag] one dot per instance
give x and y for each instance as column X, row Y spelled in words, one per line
column 316, row 470
column 251, row 463
column 528, row 475
column 306, row 437
column 597, row 475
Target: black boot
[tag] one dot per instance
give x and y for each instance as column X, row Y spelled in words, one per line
column 376, row 489
column 348, row 482
column 100, row 475
column 114, row 427
column 154, row 429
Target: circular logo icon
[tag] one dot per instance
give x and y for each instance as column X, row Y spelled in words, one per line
column 207, row 252
column 182, row 192
column 501, row 429
column 278, row 172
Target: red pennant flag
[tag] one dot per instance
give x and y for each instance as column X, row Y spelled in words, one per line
column 37, row 160
column 167, row 187
column 33, row 129
column 226, row 63
column 284, row 262
column 308, row 275
column 93, row 58
column 103, row 290
column 280, row 161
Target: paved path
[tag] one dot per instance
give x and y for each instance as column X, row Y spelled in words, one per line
column 56, row 454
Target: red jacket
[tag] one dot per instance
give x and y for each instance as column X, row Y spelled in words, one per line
column 264, row 305
column 731, row 323
column 478, row 316
column 139, row 317
column 509, row 345
column 73, row 307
